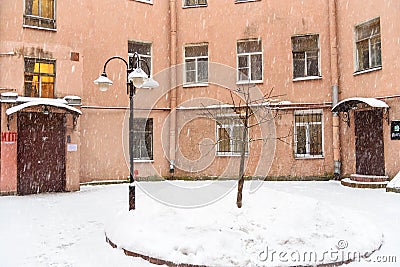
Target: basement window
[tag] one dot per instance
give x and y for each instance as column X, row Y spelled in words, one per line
column 308, row 135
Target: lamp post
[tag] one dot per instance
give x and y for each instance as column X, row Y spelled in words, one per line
column 135, row 78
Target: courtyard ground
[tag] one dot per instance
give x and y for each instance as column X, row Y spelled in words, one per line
column 67, row 229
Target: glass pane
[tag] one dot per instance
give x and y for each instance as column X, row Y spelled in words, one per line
column 298, row 65
column 315, row 139
column 312, row 64
column 363, row 55
column 301, row 140
column 45, row 68
column 47, row 89
column 305, row 43
column 190, row 64
column 196, row 51
column 202, row 70
column 256, row 67
column 47, row 9
column 376, row 58
column 223, row 140
column 248, row 46
column 29, row 65
column 32, row 7
column 140, row 48
column 368, row 29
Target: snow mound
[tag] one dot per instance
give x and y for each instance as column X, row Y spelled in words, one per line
column 395, row 182
column 272, row 228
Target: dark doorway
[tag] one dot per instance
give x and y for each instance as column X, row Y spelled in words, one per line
column 370, row 158
column 41, row 153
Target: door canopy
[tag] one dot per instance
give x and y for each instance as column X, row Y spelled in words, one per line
column 45, row 102
column 350, row 103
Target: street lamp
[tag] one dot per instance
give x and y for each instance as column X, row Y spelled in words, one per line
column 135, row 78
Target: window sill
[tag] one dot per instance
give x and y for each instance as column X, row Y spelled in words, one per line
column 145, row 2
column 40, row 28
column 228, row 154
column 367, row 71
column 309, row 78
column 143, row 160
column 194, row 6
column 245, row 1
column 187, row 85
column 249, row 82
column 300, row 156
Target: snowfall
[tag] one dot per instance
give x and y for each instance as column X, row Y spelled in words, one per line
column 280, row 224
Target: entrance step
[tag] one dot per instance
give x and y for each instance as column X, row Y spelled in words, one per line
column 365, row 181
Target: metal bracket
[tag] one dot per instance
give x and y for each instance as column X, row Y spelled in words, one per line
column 345, row 116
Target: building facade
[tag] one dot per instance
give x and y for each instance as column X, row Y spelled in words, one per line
column 319, row 79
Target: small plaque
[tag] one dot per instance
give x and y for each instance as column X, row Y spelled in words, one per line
column 72, row 147
column 74, row 56
column 395, row 130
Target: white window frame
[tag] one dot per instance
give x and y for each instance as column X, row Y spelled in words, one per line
column 249, row 67
column 196, row 62
column 144, row 56
column 185, row 5
column 306, row 76
column 357, row 70
column 221, row 123
column 308, row 138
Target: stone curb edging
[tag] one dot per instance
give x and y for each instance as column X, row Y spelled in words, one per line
column 172, row 264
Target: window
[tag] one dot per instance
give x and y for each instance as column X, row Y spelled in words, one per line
column 196, row 64
column 308, row 133
column 144, row 52
column 40, row 13
column 143, row 139
column 249, row 60
column 368, row 45
column 229, row 136
column 305, row 51
column 40, row 77
column 188, row 3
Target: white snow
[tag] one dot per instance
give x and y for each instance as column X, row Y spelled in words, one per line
column 395, row 182
column 67, row 229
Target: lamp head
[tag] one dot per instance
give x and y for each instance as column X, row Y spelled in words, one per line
column 150, row 83
column 137, row 77
column 103, row 82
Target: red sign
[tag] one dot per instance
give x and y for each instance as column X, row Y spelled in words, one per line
column 9, row 137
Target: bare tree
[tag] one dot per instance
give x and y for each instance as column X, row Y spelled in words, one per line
column 253, row 110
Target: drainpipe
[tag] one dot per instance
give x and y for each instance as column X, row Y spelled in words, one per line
column 335, row 87
column 173, row 85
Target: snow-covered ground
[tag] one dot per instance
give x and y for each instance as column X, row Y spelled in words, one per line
column 67, row 229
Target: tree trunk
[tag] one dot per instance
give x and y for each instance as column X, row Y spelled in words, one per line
column 242, row 159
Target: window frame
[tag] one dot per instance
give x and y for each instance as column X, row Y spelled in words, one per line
column 230, row 122
column 196, row 70
column 186, row 5
column 306, row 52
column 142, row 142
column 142, row 56
column 357, row 58
column 307, row 154
column 248, row 55
column 40, row 76
column 40, row 19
